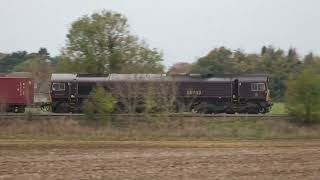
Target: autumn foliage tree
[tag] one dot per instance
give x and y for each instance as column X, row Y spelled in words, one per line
column 180, row 68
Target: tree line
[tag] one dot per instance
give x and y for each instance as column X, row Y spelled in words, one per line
column 277, row 63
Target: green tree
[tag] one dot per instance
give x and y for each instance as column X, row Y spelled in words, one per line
column 8, row 62
column 312, row 61
column 100, row 102
column 303, row 96
column 314, row 64
column 308, row 59
column 102, row 42
column 263, row 50
column 293, row 64
column 2, row 55
column 245, row 63
column 278, row 66
column 43, row 52
column 218, row 61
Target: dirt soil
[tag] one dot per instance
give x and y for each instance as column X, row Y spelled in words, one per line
column 160, row 160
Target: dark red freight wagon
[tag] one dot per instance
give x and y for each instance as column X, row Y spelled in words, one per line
column 15, row 93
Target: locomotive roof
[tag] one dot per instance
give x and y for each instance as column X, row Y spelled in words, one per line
column 154, row 77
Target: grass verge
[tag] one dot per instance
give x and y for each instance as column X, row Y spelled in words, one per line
column 278, row 108
column 156, row 128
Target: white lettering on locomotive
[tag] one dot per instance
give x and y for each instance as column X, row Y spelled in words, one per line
column 194, row 92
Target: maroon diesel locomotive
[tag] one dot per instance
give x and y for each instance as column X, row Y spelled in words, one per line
column 203, row 94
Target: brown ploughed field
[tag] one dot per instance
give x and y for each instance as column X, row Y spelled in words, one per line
column 41, row 159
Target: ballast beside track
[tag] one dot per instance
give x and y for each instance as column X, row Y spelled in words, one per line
column 48, row 115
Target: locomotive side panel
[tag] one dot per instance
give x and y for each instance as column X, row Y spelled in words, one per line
column 205, row 89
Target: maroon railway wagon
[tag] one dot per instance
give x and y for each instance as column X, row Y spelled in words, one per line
column 15, row 93
column 203, row 94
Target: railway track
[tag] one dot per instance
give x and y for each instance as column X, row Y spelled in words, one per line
column 11, row 115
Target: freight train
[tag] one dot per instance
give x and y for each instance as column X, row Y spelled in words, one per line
column 193, row 92
column 199, row 93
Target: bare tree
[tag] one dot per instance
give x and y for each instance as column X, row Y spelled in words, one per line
column 155, row 94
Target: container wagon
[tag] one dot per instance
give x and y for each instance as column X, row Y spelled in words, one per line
column 15, row 93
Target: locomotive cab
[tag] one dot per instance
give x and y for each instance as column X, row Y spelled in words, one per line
column 61, row 92
column 254, row 92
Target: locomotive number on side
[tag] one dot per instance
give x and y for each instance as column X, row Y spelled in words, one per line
column 193, row 92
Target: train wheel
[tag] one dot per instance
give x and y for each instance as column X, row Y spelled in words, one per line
column 253, row 111
column 16, row 109
column 202, row 108
column 62, row 108
column 230, row 111
column 263, row 110
column 21, row 109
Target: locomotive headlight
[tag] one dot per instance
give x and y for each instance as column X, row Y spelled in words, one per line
column 72, row 96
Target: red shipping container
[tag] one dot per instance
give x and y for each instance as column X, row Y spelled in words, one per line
column 16, row 93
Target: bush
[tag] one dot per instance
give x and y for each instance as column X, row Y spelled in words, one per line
column 303, row 97
column 100, row 102
column 278, row 108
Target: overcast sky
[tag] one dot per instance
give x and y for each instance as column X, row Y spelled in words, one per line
column 182, row 29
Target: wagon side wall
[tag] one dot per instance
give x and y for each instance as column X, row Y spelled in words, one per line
column 16, row 91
